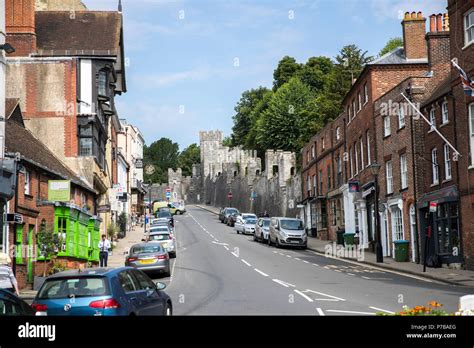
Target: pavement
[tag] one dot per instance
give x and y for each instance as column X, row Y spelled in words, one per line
column 444, row 274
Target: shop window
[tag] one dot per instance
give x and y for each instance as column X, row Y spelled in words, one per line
column 324, row 214
column 356, row 219
column 62, row 232
column 447, row 228
column 334, row 213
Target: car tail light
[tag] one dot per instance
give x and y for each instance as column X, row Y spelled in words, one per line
column 105, row 304
column 38, row 307
column 131, row 259
column 161, row 257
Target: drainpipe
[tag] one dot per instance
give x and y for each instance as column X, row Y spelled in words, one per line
column 457, row 176
column 415, row 196
column 15, row 224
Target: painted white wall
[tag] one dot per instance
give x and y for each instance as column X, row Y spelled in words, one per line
column 86, row 106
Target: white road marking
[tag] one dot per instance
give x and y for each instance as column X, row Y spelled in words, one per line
column 217, row 242
column 351, row 274
column 226, row 247
column 257, row 270
column 315, row 264
column 338, row 270
column 321, row 293
column 285, row 284
column 297, row 258
column 288, row 256
column 382, row 310
column 303, row 295
column 351, row 312
column 248, row 264
column 236, row 255
column 275, row 252
column 305, row 261
column 320, row 311
column 326, row 299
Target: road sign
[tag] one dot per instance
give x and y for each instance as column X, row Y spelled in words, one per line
column 229, row 195
column 16, row 218
column 168, row 194
column 433, row 207
column 168, row 189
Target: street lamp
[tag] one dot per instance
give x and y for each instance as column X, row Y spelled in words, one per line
column 375, row 169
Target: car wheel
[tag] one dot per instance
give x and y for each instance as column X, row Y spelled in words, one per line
column 269, row 241
column 178, row 212
column 277, row 243
column 168, row 272
column 254, row 237
column 168, row 310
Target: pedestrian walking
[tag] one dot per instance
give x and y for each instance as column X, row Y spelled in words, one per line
column 7, row 278
column 265, row 214
column 104, row 246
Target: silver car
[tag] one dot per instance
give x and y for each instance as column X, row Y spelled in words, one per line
column 149, row 257
column 245, row 223
column 262, row 229
column 287, row 231
column 165, row 238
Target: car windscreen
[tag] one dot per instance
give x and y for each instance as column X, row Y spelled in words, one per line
column 145, row 249
column 291, row 224
column 163, row 214
column 159, row 236
column 155, row 229
column 250, row 221
column 232, row 211
column 73, row 287
column 266, row 223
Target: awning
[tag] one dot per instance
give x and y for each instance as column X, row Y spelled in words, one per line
column 448, row 194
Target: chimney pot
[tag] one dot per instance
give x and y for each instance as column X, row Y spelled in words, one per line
column 420, row 15
column 432, row 23
column 439, row 23
column 413, row 15
column 407, row 15
column 446, row 22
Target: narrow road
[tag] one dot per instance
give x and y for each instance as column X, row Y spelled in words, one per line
column 220, row 272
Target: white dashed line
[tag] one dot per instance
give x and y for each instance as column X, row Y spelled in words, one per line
column 303, row 295
column 337, row 270
column 226, row 247
column 305, row 261
column 315, row 264
column 288, row 256
column 297, row 258
column 351, row 274
column 320, row 311
column 236, row 255
column 281, row 282
column 382, row 310
column 350, row 312
column 248, row 264
column 257, row 270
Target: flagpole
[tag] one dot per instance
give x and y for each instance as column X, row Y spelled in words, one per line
column 432, row 125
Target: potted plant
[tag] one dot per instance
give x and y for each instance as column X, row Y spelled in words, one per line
column 48, row 244
column 111, row 232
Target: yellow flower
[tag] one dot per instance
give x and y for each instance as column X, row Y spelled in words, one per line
column 434, row 304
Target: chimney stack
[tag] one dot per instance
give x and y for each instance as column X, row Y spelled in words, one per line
column 414, row 31
column 439, row 47
column 20, row 26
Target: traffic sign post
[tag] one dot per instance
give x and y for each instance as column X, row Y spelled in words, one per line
column 229, row 197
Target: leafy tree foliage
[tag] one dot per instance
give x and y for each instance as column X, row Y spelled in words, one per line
column 286, row 69
column 391, row 45
column 187, row 157
column 162, row 154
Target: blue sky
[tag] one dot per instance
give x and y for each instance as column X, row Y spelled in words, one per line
column 189, row 61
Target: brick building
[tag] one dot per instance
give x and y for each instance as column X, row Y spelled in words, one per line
column 67, row 77
column 72, row 221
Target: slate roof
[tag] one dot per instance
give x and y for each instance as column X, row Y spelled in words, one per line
column 396, row 56
column 93, row 32
column 19, row 139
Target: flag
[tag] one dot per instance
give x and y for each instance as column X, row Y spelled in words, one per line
column 467, row 83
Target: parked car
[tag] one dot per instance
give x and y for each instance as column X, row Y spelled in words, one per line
column 226, row 213
column 232, row 218
column 180, row 207
column 287, row 231
column 221, row 215
column 164, row 216
column 245, row 223
column 12, row 305
column 166, row 239
column 149, row 257
column 102, row 291
column 262, row 229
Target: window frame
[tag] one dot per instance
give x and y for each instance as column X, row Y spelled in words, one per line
column 356, row 158
column 366, row 93
column 401, row 117
column 434, row 167
column 468, row 28
column 361, row 154
column 444, row 112
column 397, row 224
column 369, row 161
column 448, row 170
column 403, row 171
column 338, row 133
column 359, row 100
column 27, row 186
column 432, row 118
column 387, row 128
column 471, row 131
column 389, row 178
column 102, row 89
column 351, row 157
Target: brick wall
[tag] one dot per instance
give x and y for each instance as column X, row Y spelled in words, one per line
column 413, row 35
column 20, row 23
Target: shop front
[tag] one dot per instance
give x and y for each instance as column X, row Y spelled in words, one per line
column 439, row 227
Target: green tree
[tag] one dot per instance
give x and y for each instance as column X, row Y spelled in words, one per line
column 286, row 69
column 162, row 154
column 314, row 72
column 243, row 110
column 290, row 118
column 228, row 141
column 187, row 157
column 391, row 45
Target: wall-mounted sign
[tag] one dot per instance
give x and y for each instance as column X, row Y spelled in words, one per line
column 139, row 163
column 433, row 207
column 16, row 218
column 353, row 186
column 103, row 208
column 59, row 190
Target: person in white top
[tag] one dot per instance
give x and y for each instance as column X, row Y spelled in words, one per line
column 104, row 246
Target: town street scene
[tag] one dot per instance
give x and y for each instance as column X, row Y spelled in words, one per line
column 233, row 158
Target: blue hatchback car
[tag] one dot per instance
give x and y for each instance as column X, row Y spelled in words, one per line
column 102, row 292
